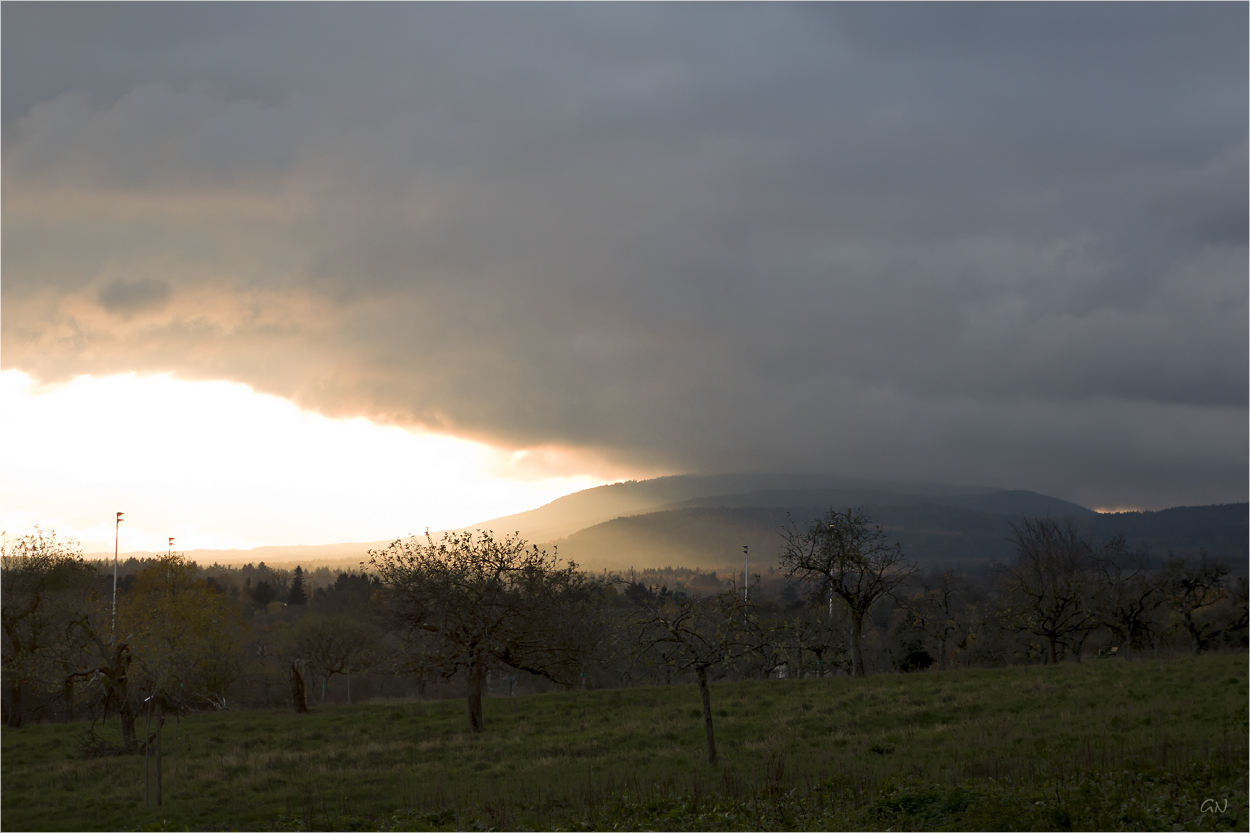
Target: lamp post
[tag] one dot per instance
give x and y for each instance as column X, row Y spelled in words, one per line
column 171, row 547
column 116, row 533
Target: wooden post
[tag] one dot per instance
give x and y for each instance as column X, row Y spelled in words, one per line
column 147, row 746
column 160, row 724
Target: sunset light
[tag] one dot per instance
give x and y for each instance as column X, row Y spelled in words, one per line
column 754, row 368
column 219, row 466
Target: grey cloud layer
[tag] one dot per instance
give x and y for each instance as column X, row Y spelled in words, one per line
column 999, row 244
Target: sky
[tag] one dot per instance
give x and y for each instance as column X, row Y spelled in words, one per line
column 564, row 244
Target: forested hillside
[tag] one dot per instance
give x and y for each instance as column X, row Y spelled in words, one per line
column 936, row 535
column 583, row 509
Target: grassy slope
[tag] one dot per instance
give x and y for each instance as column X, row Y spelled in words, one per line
column 1103, row 745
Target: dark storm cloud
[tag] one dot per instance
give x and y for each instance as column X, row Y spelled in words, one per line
column 989, row 243
column 132, row 296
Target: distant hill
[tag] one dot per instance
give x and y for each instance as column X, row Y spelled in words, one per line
column 703, row 522
column 935, row 534
column 333, row 556
column 567, row 515
column 999, row 502
column 1221, row 529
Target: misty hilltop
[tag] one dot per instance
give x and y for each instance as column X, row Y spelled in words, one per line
column 569, row 514
column 703, row 521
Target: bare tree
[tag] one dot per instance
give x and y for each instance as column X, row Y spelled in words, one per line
column 939, row 609
column 847, row 554
column 1240, row 618
column 698, row 634
column 816, row 626
column 474, row 602
column 330, row 645
column 1049, row 586
column 1194, row 589
column 1127, row 592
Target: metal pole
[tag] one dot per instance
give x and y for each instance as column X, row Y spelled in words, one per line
column 831, row 583
column 746, row 576
column 116, row 528
column 171, row 547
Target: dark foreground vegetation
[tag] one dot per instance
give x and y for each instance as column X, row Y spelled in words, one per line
column 1101, row 745
column 1046, row 693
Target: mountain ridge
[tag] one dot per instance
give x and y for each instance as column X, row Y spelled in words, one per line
column 566, row 515
column 703, row 520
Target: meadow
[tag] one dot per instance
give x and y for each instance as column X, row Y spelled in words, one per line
column 1100, row 745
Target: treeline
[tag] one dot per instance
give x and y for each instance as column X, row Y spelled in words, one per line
column 472, row 616
column 258, row 585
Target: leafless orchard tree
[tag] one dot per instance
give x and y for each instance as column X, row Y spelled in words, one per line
column 698, row 634
column 1195, row 590
column 1050, row 590
column 816, row 626
column 473, row 602
column 939, row 609
column 848, row 554
column 1128, row 592
column 330, row 645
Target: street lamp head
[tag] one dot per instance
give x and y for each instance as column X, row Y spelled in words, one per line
column 119, row 517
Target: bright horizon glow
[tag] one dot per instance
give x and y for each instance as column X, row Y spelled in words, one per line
column 218, row 466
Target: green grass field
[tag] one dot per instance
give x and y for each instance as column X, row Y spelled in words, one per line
column 1103, row 745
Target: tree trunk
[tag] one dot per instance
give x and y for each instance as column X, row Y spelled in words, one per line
column 942, row 654
column 473, row 678
column 857, row 654
column 299, row 693
column 1053, row 650
column 1195, row 635
column 126, row 714
column 14, row 718
column 69, row 699
column 707, row 716
column 117, row 673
